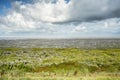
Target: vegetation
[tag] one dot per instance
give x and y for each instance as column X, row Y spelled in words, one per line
column 59, row 64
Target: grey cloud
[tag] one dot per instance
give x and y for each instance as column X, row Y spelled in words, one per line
column 87, row 10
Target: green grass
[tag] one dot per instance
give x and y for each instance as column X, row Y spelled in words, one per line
column 68, row 63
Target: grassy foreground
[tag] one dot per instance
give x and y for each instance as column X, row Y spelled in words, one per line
column 59, row 64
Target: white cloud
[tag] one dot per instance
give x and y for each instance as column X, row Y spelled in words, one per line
column 61, row 12
column 41, row 17
column 103, row 26
column 79, row 28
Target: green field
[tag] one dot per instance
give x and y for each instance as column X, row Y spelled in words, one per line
column 59, row 64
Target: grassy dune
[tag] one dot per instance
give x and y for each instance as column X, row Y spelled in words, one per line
column 59, row 64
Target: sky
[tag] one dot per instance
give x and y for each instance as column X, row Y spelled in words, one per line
column 60, row 18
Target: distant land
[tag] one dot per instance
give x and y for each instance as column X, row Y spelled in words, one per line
column 85, row 43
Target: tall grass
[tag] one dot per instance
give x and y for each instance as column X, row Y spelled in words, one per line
column 59, row 62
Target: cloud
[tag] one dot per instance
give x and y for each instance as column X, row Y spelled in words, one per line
column 108, row 26
column 87, row 10
column 60, row 17
column 82, row 10
column 79, row 28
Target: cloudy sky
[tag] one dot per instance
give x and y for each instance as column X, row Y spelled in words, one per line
column 60, row 18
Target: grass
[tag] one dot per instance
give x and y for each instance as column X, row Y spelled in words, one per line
column 59, row 64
